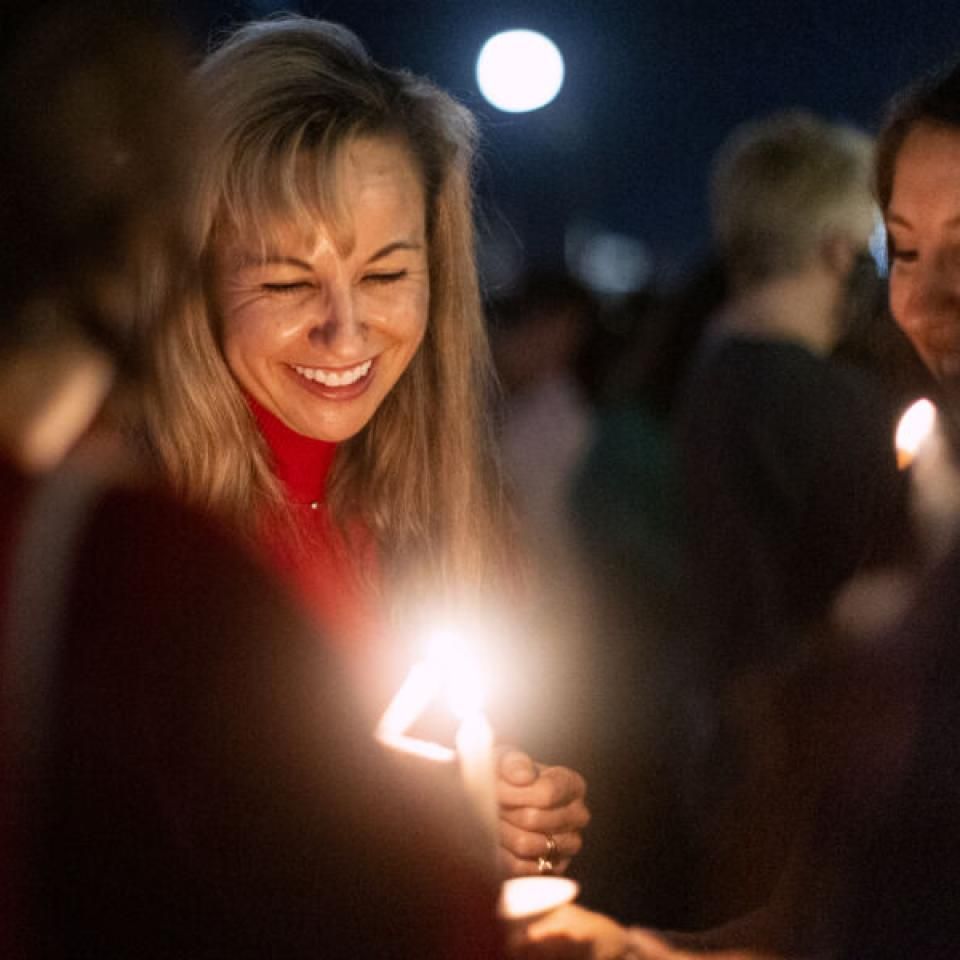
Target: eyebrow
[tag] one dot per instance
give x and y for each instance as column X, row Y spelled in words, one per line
column 897, row 220
column 385, row 252
column 246, row 259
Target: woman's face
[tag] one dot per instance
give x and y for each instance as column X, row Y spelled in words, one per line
column 923, row 221
column 318, row 333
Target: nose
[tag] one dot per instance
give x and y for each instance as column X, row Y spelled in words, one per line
column 337, row 326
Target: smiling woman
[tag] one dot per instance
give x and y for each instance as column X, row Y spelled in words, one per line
column 327, row 390
column 320, row 329
column 333, row 208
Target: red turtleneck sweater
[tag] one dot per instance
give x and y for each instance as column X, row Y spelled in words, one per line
column 336, row 578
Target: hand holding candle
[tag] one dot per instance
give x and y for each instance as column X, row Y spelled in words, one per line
column 538, row 804
column 572, row 933
column 535, row 813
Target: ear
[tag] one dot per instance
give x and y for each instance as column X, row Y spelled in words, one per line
column 837, row 252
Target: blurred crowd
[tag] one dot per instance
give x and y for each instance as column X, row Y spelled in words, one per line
column 255, row 402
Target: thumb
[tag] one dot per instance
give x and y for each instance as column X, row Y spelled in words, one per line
column 517, row 768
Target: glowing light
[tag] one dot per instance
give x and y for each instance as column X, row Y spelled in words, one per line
column 519, row 71
column 914, row 428
column 454, row 652
column 611, row 264
column 450, row 668
column 522, row 898
column 878, row 244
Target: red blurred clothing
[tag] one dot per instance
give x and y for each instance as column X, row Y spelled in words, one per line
column 210, row 790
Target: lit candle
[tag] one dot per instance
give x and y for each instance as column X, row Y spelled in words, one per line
column 452, row 670
column 478, row 769
column 935, row 484
column 913, row 429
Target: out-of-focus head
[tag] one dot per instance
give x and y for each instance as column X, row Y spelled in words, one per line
column 96, row 122
column 918, row 187
column 785, row 186
column 335, row 208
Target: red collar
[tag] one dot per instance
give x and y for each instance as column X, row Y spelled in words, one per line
column 301, row 463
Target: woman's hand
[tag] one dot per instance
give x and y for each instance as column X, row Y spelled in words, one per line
column 572, row 933
column 542, row 815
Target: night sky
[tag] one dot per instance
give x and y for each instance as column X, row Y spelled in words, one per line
column 652, row 88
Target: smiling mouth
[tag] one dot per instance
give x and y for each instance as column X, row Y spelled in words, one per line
column 334, row 378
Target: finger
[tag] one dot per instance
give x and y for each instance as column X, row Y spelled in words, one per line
column 554, row 787
column 555, row 946
column 532, row 846
column 514, row 866
column 649, row 946
column 568, row 919
column 572, row 817
column 516, row 768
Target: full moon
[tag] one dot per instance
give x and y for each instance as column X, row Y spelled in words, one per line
column 519, row 71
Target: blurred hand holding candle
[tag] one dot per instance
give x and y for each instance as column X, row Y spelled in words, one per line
column 913, row 430
column 524, row 900
column 923, row 446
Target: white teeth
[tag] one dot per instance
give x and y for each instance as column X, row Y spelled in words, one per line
column 329, row 378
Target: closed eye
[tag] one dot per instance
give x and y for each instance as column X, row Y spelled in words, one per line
column 384, row 278
column 283, row 288
column 901, row 254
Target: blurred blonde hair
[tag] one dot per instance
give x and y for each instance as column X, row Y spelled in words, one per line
column 780, row 186
column 422, row 475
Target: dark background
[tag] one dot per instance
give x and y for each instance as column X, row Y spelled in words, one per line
column 652, row 88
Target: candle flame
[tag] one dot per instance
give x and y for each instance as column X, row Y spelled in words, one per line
column 914, row 428
column 451, row 669
column 418, row 691
column 453, row 650
column 419, row 748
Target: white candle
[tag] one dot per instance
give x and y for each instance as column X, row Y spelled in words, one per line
column 478, row 769
column 450, row 669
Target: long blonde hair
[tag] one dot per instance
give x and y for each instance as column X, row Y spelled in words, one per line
column 422, row 475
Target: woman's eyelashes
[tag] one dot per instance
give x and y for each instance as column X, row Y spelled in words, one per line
column 902, row 254
column 296, row 286
column 385, row 278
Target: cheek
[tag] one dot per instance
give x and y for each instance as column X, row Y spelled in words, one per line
column 246, row 342
column 897, row 296
column 403, row 320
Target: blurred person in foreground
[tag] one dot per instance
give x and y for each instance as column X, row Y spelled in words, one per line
column 327, row 392
column 182, row 773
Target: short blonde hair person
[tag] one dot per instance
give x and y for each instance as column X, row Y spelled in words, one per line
column 284, row 100
column 783, row 184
